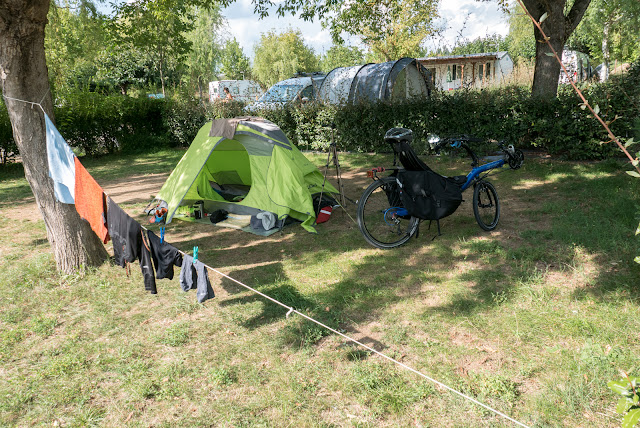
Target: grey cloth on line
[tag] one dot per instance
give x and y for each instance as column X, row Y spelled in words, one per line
column 194, row 275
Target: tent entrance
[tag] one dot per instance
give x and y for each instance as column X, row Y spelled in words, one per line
column 226, row 176
column 230, row 170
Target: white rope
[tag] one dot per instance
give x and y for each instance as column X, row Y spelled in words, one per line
column 292, row 310
column 28, row 102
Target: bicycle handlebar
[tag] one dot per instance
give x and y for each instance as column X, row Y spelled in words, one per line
column 514, row 157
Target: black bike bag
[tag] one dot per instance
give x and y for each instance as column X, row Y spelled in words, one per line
column 428, row 195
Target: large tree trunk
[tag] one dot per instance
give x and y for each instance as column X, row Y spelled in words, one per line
column 558, row 28
column 23, row 74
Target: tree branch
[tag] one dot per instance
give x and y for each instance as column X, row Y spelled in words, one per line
column 575, row 15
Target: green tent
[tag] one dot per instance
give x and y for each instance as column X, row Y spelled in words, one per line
column 244, row 166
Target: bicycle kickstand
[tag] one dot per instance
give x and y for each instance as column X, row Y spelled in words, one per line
column 439, row 233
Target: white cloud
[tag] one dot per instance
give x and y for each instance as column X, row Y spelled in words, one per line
column 469, row 19
column 247, row 27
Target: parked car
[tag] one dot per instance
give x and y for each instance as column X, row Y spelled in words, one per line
column 301, row 88
column 241, row 90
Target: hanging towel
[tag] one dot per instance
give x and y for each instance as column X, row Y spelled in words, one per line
column 91, row 202
column 61, row 164
column 164, row 256
column 194, row 275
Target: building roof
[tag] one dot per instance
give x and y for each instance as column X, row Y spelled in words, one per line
column 450, row 59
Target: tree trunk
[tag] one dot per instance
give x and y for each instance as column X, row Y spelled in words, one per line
column 604, row 75
column 23, row 74
column 547, row 69
column 161, row 74
column 558, row 28
column 201, row 92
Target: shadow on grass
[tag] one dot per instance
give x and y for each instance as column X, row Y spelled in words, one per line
column 566, row 218
column 552, row 211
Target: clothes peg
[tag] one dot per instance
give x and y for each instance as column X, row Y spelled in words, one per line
column 162, row 229
column 195, row 254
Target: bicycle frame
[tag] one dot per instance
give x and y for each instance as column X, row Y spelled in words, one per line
column 476, row 171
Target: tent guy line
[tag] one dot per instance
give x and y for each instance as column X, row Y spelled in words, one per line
column 291, row 310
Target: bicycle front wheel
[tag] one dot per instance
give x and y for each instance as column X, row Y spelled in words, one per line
column 486, row 205
column 383, row 221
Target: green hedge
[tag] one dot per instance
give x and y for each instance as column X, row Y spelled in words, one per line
column 99, row 124
column 558, row 125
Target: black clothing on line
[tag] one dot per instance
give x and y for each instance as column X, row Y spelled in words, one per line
column 126, row 235
column 164, row 256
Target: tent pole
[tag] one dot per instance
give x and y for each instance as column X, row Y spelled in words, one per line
column 336, row 163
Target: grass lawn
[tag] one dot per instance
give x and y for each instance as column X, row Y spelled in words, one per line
column 532, row 319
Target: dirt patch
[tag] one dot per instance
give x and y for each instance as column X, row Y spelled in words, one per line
column 131, row 190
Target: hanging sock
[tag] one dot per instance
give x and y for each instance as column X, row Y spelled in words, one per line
column 194, row 275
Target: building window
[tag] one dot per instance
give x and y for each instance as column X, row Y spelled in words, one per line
column 448, row 73
column 455, row 72
column 488, row 69
column 480, row 71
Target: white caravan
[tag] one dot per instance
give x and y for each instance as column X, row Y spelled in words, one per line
column 241, row 90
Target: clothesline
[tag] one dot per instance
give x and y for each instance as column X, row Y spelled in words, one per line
column 291, row 310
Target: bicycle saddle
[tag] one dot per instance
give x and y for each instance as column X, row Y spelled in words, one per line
column 396, row 135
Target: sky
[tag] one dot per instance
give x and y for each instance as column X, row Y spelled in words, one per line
column 468, row 18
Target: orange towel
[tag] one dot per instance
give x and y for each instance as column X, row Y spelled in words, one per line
column 91, row 202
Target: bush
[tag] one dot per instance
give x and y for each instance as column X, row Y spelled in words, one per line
column 558, row 125
column 182, row 119
column 99, row 124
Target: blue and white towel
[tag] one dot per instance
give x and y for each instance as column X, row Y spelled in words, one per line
column 62, row 169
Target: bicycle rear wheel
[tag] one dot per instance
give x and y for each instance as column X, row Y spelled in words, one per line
column 486, row 205
column 383, row 221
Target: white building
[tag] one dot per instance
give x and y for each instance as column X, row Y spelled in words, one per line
column 468, row 71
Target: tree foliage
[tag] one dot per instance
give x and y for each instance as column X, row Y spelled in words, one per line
column 235, row 64
column 278, row 56
column 341, row 56
column 205, row 54
column 121, row 68
column 522, row 43
column 156, row 27
column 391, row 29
column 610, row 30
column 490, row 43
column 74, row 40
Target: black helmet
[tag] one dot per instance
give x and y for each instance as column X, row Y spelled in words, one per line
column 395, row 135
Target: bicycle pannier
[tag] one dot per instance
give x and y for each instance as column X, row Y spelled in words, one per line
column 428, row 195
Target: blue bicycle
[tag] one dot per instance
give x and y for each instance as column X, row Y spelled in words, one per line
column 392, row 207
